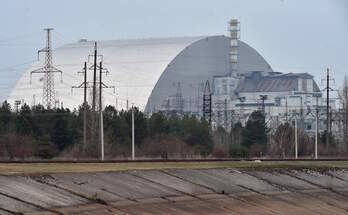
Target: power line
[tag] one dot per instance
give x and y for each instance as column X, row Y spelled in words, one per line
column 17, row 65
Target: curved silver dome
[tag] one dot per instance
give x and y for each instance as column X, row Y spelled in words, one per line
column 191, row 68
column 144, row 71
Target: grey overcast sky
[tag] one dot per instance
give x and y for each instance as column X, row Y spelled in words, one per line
column 292, row 35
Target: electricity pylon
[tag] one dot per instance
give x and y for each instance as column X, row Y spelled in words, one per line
column 48, row 98
column 207, row 103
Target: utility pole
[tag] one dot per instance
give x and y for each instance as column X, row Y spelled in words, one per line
column 17, row 103
column 327, row 108
column 286, row 109
column 94, row 76
column 94, row 127
column 301, row 113
column 116, row 103
column 101, row 133
column 48, row 97
column 316, row 135
column 133, row 135
column 34, row 100
column 263, row 98
column 168, row 107
column 296, row 143
column 328, row 118
column 316, row 129
column 85, row 104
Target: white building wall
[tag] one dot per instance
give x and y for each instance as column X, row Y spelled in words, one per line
column 289, row 107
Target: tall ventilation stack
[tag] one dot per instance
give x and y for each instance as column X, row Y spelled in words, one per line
column 234, row 30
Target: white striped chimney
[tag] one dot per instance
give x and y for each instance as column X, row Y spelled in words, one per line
column 234, row 36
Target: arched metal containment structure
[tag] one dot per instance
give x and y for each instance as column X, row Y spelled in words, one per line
column 182, row 82
column 154, row 74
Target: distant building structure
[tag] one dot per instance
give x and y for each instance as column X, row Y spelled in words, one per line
column 287, row 97
column 170, row 74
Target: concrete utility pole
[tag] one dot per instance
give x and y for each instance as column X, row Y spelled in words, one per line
column 116, row 105
column 286, row 109
column 296, row 143
column 133, row 134
column 316, row 129
column 327, row 108
column 85, row 106
column 316, row 136
column 301, row 113
column 101, row 133
column 168, row 107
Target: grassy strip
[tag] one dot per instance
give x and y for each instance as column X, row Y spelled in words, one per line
column 46, row 168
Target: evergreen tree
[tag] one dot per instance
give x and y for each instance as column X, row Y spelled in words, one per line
column 62, row 134
column 157, row 124
column 197, row 133
column 23, row 121
column 45, row 148
column 255, row 131
column 6, row 117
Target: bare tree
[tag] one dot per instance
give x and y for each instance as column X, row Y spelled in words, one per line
column 343, row 96
column 282, row 143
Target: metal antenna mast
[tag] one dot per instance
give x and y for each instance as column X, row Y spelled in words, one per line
column 48, row 70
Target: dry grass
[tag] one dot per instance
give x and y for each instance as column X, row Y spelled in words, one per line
column 45, row 168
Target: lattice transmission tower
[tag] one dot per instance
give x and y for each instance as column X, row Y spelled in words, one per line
column 49, row 94
column 207, row 103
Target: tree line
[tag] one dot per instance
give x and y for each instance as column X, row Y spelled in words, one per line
column 37, row 132
column 40, row 133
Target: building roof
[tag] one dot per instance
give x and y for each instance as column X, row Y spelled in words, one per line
column 256, row 82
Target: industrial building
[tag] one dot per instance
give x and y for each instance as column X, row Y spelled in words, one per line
column 169, row 75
